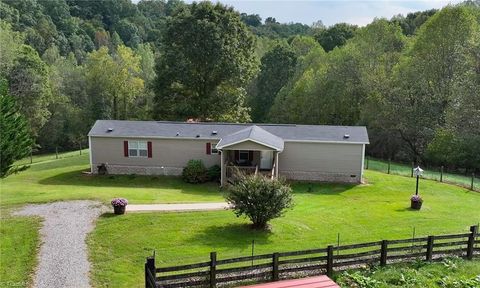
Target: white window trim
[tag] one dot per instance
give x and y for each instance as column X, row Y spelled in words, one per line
column 213, row 146
column 138, row 149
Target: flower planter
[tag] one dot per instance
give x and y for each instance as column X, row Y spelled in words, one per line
column 119, row 210
column 417, row 205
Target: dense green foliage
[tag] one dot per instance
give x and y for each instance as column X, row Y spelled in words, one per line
column 15, row 141
column 259, row 198
column 207, row 59
column 412, row 80
column 195, row 172
column 448, row 273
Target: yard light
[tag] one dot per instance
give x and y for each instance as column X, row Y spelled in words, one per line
column 417, row 172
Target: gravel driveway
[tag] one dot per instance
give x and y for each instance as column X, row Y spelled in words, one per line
column 63, row 260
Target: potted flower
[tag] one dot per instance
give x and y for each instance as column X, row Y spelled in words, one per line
column 416, row 202
column 119, row 205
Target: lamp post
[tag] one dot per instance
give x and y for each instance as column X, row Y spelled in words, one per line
column 417, row 172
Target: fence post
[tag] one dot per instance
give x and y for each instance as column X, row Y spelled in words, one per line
column 411, row 170
column 275, row 267
column 471, row 185
column 329, row 260
column 149, row 267
column 429, row 248
column 471, row 242
column 213, row 269
column 441, row 173
column 388, row 172
column 383, row 253
column 56, row 152
column 366, row 168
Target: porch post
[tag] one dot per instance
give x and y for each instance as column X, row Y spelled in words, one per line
column 222, row 168
column 276, row 164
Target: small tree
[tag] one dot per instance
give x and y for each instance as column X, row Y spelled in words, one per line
column 15, row 139
column 259, row 198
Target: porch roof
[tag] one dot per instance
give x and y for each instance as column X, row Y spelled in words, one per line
column 254, row 134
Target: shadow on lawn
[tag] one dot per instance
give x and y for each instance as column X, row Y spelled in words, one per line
column 231, row 236
column 319, row 188
column 129, row 181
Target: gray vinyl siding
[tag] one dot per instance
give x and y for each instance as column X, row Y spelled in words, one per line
column 165, row 152
column 328, row 158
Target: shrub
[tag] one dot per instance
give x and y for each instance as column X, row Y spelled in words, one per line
column 260, row 199
column 214, row 173
column 195, row 172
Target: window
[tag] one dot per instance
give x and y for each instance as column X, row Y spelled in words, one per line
column 214, row 148
column 243, row 156
column 137, row 149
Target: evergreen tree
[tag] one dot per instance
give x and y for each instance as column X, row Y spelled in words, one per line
column 15, row 138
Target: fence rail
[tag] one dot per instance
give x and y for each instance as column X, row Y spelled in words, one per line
column 277, row 266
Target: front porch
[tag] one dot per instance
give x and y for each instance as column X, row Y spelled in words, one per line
column 252, row 150
column 255, row 162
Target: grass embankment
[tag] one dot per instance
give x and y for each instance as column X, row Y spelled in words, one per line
column 449, row 273
column 379, row 210
column 433, row 173
column 19, row 241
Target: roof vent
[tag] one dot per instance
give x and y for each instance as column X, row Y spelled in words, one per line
column 198, row 136
column 178, row 133
column 346, row 136
column 214, row 132
column 109, row 130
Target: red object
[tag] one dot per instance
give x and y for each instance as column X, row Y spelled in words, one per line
column 149, row 147
column 310, row 282
column 209, row 148
column 125, row 148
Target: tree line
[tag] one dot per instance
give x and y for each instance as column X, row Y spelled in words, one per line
column 412, row 80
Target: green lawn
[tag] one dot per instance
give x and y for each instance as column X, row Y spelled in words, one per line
column 62, row 179
column 379, row 210
column 18, row 249
column 432, row 173
column 450, row 273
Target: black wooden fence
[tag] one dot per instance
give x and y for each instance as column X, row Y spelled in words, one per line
column 284, row 265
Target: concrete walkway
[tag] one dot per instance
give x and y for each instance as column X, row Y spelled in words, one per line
column 177, row 207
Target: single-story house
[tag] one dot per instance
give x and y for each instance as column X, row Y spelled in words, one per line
column 297, row 152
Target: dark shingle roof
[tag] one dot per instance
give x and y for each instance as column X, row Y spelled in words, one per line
column 255, row 134
column 205, row 130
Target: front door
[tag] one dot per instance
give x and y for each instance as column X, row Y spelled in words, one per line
column 266, row 159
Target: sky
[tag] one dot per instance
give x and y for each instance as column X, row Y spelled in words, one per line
column 330, row 12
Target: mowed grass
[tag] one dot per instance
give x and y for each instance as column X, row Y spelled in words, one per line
column 378, row 210
column 62, row 179
column 19, row 241
column 428, row 173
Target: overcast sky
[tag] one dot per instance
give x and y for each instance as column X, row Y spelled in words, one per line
column 331, row 12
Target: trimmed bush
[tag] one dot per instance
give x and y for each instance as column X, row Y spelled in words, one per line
column 214, row 173
column 195, row 172
column 260, row 199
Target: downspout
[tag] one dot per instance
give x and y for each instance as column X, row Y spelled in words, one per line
column 90, row 151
